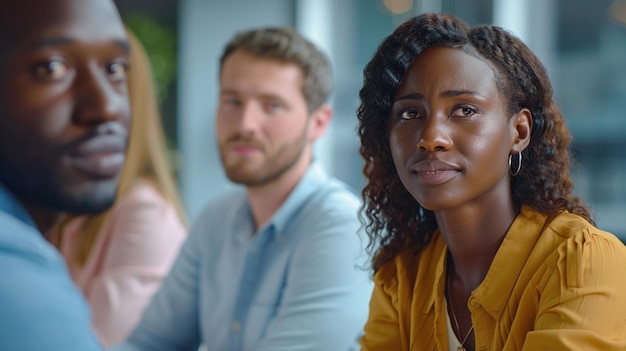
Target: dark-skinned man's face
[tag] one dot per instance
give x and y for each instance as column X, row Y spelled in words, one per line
column 64, row 110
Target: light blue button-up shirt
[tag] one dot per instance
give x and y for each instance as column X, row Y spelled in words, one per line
column 40, row 308
column 297, row 283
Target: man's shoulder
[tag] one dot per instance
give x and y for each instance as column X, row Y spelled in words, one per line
column 20, row 239
column 334, row 194
column 26, row 256
column 27, row 260
column 332, row 207
column 225, row 201
column 38, row 296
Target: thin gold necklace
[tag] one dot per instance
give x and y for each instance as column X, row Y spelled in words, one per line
column 456, row 322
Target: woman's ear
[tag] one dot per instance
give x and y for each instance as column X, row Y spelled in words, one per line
column 522, row 126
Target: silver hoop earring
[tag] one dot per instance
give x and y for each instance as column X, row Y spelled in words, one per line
column 519, row 164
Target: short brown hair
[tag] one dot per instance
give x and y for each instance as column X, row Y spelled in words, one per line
column 286, row 45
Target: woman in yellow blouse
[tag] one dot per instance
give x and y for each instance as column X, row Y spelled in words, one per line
column 478, row 242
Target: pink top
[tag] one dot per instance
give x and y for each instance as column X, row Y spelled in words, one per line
column 131, row 255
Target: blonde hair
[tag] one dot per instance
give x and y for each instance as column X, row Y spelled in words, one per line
column 147, row 155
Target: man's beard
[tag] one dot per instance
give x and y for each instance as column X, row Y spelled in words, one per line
column 270, row 169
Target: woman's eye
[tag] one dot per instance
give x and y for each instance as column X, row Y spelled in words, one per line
column 464, row 111
column 409, row 114
column 53, row 69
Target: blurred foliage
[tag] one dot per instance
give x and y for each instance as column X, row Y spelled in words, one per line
column 160, row 44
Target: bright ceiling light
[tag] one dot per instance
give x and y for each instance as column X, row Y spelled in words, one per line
column 398, row 6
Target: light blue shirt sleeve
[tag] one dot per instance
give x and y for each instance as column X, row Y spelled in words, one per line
column 40, row 308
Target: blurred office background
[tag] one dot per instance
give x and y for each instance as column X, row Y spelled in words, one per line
column 581, row 42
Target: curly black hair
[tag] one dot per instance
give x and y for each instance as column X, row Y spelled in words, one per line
column 392, row 218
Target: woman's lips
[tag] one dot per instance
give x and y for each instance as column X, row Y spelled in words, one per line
column 435, row 177
column 434, row 172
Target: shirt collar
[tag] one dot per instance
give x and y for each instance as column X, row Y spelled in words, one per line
column 10, row 205
column 495, row 290
column 312, row 180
